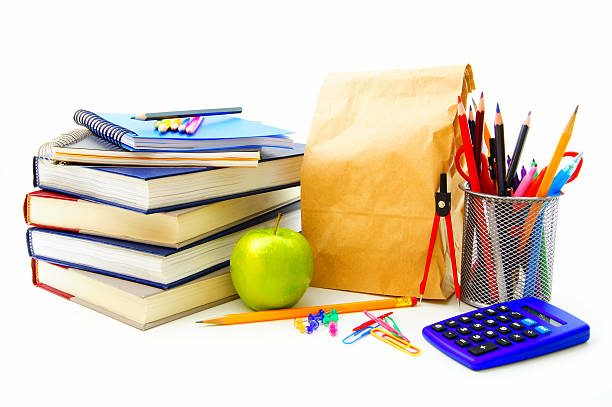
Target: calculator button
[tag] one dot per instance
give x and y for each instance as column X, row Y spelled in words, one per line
column 464, row 343
column 490, row 312
column 530, row 333
column 503, row 341
column 542, row 329
column 476, row 338
column 464, row 330
column 528, row 322
column 516, row 315
column 504, row 319
column 450, row 335
column 490, row 322
column 504, row 330
column 516, row 326
column 482, row 349
column 478, row 316
column 438, row 327
column 516, row 338
column 503, row 308
column 465, row 320
column 490, row 334
column 477, row 326
column 452, row 323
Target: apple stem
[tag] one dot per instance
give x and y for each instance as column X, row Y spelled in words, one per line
column 277, row 221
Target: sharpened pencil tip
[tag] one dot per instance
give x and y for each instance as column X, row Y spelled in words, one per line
column 459, row 99
column 481, row 95
column 576, row 111
column 470, row 108
column 529, row 114
column 497, row 108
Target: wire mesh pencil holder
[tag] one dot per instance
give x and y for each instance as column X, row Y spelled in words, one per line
column 508, row 248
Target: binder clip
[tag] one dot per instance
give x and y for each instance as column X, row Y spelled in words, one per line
column 443, row 207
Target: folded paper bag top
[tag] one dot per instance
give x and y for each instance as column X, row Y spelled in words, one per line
column 376, row 148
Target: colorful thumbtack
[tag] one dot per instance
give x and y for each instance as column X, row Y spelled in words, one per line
column 313, row 324
column 299, row 324
column 332, row 316
column 333, row 328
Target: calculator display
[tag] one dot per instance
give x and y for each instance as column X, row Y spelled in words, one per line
column 542, row 316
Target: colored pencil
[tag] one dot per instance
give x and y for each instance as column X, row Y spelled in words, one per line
column 472, row 127
column 175, row 123
column 526, row 182
column 184, row 124
column 193, row 125
column 187, row 113
column 556, row 159
column 289, row 313
column 491, row 159
column 164, row 125
column 486, row 135
column 467, row 147
column 479, row 130
column 535, row 184
column 518, row 149
column 500, row 154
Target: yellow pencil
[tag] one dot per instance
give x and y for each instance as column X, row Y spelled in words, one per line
column 551, row 171
column 289, row 313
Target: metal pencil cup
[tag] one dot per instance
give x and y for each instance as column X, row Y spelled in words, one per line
column 508, row 248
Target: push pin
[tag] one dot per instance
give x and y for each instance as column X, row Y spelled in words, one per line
column 313, row 324
column 333, row 328
column 299, row 324
column 331, row 316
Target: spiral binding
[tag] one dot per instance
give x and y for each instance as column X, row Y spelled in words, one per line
column 103, row 128
column 45, row 152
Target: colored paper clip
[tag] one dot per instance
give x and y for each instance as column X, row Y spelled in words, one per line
column 358, row 334
column 398, row 343
column 370, row 322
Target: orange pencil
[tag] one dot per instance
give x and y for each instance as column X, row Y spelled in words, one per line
column 556, row 159
column 289, row 313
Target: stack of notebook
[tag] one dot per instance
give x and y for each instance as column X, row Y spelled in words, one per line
column 149, row 244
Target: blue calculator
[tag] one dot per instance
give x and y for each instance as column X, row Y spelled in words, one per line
column 506, row 333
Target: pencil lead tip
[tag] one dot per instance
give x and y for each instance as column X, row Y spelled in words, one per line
column 576, row 111
column 497, row 108
column 481, row 95
column 458, row 99
column 529, row 114
column 470, row 108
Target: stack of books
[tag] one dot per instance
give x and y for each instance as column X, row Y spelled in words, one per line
column 150, row 244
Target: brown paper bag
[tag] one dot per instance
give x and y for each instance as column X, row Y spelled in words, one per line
column 377, row 145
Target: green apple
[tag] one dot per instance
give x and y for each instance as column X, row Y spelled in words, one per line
column 271, row 271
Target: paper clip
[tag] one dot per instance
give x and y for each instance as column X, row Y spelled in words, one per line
column 370, row 322
column 398, row 343
column 359, row 334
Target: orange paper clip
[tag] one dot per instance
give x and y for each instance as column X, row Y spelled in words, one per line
column 398, row 343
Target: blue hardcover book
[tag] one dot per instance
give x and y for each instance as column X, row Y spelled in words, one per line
column 156, row 266
column 161, row 189
column 215, row 132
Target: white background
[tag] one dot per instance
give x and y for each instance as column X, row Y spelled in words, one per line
column 271, row 58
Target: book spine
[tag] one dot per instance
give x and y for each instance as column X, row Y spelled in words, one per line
column 29, row 243
column 26, row 209
column 37, row 283
column 101, row 127
column 35, row 172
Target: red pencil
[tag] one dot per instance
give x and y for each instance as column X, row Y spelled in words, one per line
column 468, row 148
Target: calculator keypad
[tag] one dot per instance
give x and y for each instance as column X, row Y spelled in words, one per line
column 477, row 326
column 478, row 316
column 482, row 349
column 488, row 329
column 452, row 323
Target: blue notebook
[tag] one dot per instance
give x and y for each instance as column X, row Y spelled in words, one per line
column 51, row 251
column 215, row 133
column 78, row 181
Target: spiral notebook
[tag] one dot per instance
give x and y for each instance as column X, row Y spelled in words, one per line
column 216, row 132
column 83, row 146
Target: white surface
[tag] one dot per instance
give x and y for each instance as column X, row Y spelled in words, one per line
column 271, row 58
